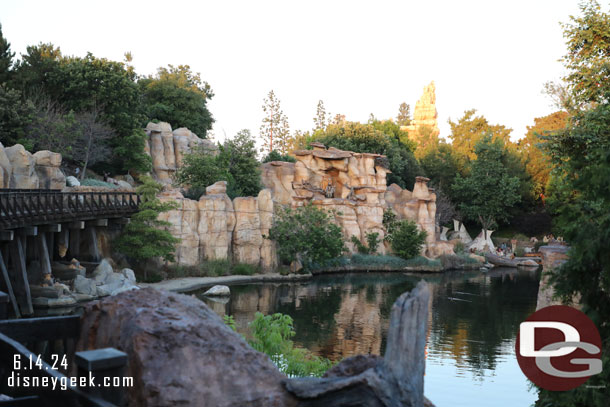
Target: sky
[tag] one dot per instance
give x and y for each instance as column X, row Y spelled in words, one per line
column 359, row 57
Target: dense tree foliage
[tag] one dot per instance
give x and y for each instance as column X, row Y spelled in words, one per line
column 488, row 193
column 235, row 163
column 276, row 156
column 146, row 237
column 47, row 100
column 441, row 165
column 537, row 162
column 470, row 129
column 306, row 233
column 178, row 96
column 379, row 138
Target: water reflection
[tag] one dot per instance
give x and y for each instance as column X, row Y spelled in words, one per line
column 474, row 318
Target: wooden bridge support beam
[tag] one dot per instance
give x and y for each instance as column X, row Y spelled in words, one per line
column 43, row 257
column 9, row 286
column 22, row 285
column 74, row 245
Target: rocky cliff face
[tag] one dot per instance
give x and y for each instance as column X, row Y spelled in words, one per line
column 21, row 169
column 354, row 186
column 216, row 228
column 167, row 148
column 424, row 116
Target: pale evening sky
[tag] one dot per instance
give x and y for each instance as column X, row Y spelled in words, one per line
column 359, row 57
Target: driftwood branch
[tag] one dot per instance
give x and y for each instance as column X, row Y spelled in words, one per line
column 396, row 380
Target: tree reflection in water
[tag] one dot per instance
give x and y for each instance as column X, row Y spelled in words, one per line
column 474, row 316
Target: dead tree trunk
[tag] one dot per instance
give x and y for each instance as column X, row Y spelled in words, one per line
column 396, row 380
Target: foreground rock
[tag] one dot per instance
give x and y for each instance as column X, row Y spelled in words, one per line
column 181, row 353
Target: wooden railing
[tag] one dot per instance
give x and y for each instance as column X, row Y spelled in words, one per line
column 28, row 207
column 50, row 338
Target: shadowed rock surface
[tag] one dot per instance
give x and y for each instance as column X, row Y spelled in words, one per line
column 181, row 352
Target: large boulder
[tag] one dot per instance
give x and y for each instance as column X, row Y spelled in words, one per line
column 23, row 168
column 180, row 352
column 6, row 169
column 48, row 170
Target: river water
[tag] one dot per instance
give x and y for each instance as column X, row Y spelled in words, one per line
column 473, row 322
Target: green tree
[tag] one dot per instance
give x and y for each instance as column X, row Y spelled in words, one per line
column 404, row 114
column 16, row 115
column 406, row 239
column 587, row 60
column 275, row 156
column 238, row 156
column 6, row 58
column 441, row 165
column 488, row 193
column 306, row 233
column 470, row 129
column 178, row 96
column 146, row 237
column 85, row 84
column 274, row 130
column 235, row 163
column 537, row 161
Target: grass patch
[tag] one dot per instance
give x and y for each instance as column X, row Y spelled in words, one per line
column 420, row 261
column 244, row 269
column 92, row 182
column 369, row 261
column 455, row 261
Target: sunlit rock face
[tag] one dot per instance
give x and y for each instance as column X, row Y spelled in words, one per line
column 167, row 148
column 353, row 187
column 424, row 116
column 22, row 170
column 217, row 228
column 350, row 186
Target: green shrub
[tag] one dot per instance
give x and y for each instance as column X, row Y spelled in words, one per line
column 276, row 156
column 229, row 320
column 538, row 245
column 308, row 233
column 389, row 223
column 372, row 242
column 271, row 334
column 146, row 237
column 92, row 182
column 519, row 252
column 407, row 240
column 459, row 247
column 244, row 269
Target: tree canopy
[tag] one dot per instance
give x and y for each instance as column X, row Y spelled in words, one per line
column 488, row 193
column 178, row 96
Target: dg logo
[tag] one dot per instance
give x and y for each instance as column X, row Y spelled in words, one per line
column 559, row 348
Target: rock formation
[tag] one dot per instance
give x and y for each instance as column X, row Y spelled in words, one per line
column 23, row 170
column 351, row 186
column 424, row 117
column 181, row 353
column 167, row 148
column 216, row 228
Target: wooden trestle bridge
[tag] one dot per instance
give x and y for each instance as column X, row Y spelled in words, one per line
column 41, row 226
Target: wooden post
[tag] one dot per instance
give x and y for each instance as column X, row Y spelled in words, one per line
column 75, row 228
column 9, row 286
column 3, row 306
column 101, row 363
column 63, row 243
column 43, row 256
column 21, row 277
column 93, row 249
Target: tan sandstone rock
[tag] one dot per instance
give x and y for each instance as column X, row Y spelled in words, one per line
column 23, row 168
column 48, row 170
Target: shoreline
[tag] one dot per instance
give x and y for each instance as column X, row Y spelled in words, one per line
column 188, row 284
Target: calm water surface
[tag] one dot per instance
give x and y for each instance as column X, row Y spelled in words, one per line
column 474, row 318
